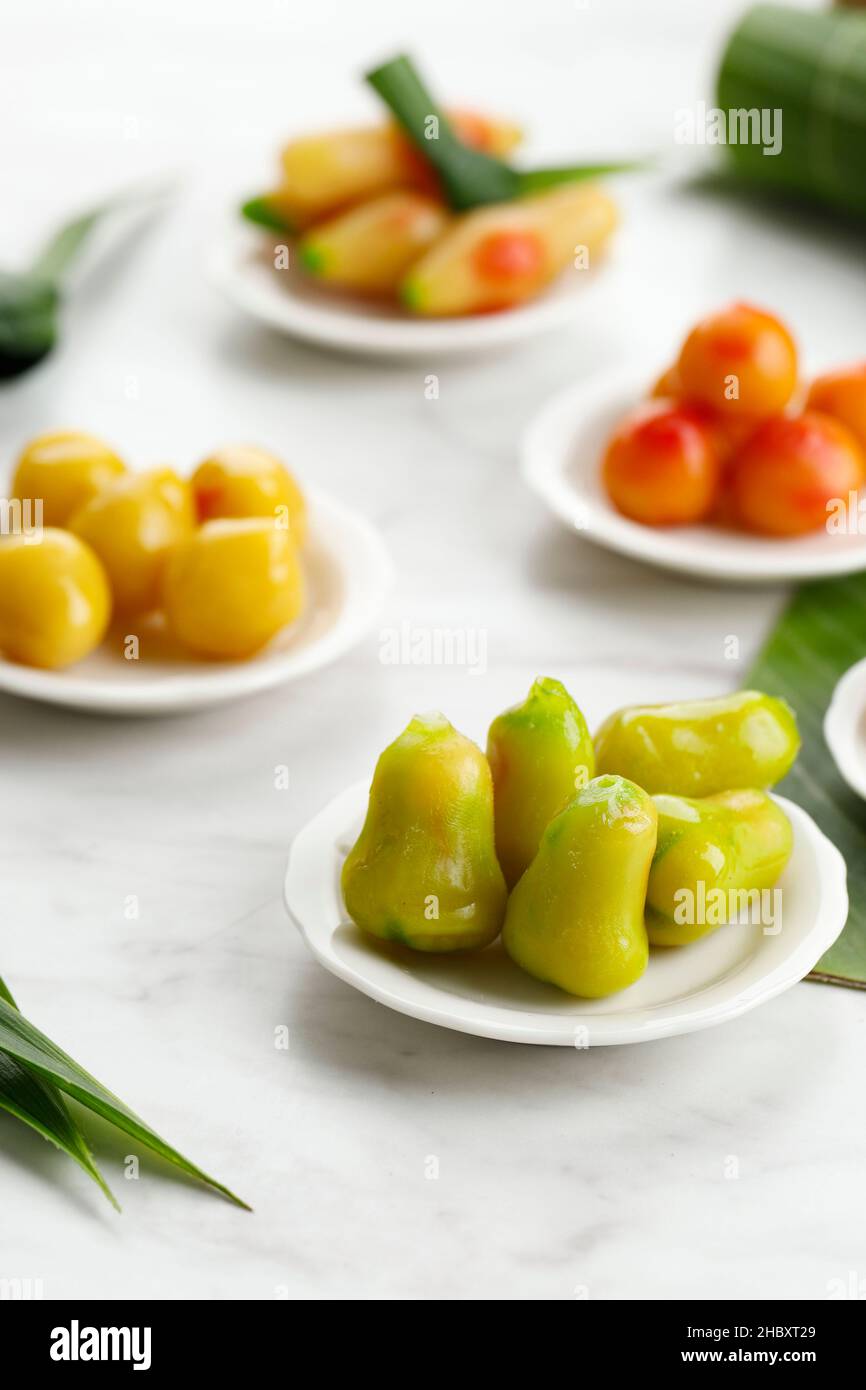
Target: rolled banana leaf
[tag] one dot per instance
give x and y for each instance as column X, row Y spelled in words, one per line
column 810, row 65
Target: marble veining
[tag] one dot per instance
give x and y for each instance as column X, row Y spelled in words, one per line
column 385, row 1158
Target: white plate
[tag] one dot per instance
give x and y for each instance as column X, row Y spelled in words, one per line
column 348, row 572
column 845, row 727
column 684, row 989
column 561, row 459
column 293, row 303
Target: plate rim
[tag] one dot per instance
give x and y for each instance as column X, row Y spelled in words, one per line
column 790, row 971
column 543, row 470
column 838, row 730
column 216, row 685
column 334, row 328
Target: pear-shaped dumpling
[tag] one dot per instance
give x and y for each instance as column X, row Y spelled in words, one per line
column 424, row 869
column 576, row 918
column 540, row 753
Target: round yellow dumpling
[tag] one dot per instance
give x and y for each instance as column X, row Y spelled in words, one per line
column 132, row 526
column 55, row 600
column 64, row 469
column 242, row 480
column 232, row 586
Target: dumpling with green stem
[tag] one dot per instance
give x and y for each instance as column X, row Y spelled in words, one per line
column 369, row 248
column 499, row 256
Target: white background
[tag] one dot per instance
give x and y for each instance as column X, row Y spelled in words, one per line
column 559, row 1171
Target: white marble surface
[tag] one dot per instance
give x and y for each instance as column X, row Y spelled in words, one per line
column 559, row 1172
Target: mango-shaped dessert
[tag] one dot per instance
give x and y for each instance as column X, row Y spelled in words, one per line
column 322, row 173
column 424, row 870
column 132, row 525
column 503, row 254
column 576, row 917
column 232, row 585
column 540, row 754
column 369, row 248
column 700, row 747
column 65, row 469
column 55, row 601
column 242, row 480
column 714, row 855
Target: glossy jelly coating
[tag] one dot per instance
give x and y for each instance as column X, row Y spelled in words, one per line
column 55, row 600
column 65, row 468
column 740, row 360
column 661, row 466
column 701, row 747
column 710, row 852
column 424, row 870
column 242, row 480
column 576, row 917
column 842, row 394
column 232, row 585
column 132, row 525
column 540, row 753
column 791, row 471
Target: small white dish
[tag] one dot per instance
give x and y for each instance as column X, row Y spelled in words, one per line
column 684, row 988
column 294, row 304
column 561, row 461
column 348, row 572
column 845, row 727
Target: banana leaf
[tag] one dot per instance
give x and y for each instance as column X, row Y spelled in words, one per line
column 810, row 65
column 819, row 636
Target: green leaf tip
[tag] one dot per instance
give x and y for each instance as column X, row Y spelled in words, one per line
column 262, row 213
column 36, row 1059
column 539, row 180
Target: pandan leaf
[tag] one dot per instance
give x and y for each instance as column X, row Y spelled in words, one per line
column 30, row 300
column 36, row 1053
column 41, row 1106
column 28, row 321
column 538, row 180
column 820, row 635
column 469, row 178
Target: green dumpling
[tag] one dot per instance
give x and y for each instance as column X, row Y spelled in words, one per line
column 576, row 917
column 700, row 747
column 424, row 869
column 714, row 854
column 540, row 753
